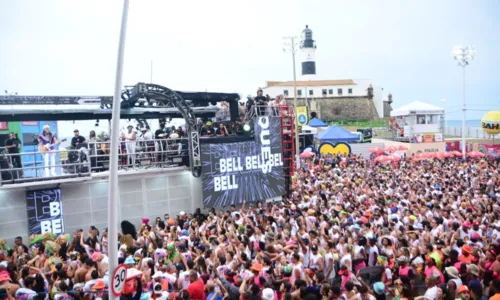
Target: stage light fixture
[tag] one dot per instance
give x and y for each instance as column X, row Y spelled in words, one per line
column 246, row 127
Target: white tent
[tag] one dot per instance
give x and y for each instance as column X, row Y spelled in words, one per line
column 417, row 107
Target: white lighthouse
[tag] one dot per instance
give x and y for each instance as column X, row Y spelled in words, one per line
column 308, row 47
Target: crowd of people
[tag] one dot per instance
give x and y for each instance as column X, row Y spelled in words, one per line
column 351, row 229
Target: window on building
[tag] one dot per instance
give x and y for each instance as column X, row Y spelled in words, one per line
column 311, row 92
column 330, row 92
column 324, row 92
column 349, row 91
column 299, row 92
column 339, row 91
column 420, row 119
column 285, row 92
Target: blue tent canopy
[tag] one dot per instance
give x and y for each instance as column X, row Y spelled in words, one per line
column 315, row 122
column 336, row 134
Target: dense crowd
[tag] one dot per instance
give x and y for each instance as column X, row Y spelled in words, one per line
column 352, row 229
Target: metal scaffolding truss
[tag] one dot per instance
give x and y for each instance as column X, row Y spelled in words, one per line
column 160, row 94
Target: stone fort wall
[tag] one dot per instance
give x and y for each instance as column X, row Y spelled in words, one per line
column 332, row 108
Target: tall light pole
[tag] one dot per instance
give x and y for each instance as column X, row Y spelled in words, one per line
column 444, row 117
column 463, row 54
column 291, row 45
column 114, row 194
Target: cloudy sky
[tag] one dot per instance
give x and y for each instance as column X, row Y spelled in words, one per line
column 56, row 47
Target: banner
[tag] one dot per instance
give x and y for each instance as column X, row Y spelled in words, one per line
column 301, row 113
column 251, row 170
column 489, row 149
column 44, row 209
column 426, row 148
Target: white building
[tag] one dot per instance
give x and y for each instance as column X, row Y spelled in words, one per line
column 310, row 88
column 317, row 89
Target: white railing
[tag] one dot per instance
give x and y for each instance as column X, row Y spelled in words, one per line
column 155, row 153
column 92, row 157
column 13, row 170
column 470, row 132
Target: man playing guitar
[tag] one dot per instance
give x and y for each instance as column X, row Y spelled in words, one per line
column 47, row 142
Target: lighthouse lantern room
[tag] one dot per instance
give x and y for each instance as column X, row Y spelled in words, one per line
column 308, row 47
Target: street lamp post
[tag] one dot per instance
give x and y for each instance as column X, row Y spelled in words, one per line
column 444, row 117
column 114, row 194
column 463, row 54
column 291, row 45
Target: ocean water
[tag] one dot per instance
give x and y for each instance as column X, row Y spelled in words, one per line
column 468, row 123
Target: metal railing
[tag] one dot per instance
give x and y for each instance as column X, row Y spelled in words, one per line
column 90, row 158
column 13, row 170
column 470, row 132
column 155, row 153
column 263, row 110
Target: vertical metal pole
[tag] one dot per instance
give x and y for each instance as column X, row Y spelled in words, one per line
column 151, row 75
column 114, row 194
column 463, row 114
column 297, row 142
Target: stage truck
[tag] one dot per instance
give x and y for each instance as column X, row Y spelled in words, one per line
column 254, row 163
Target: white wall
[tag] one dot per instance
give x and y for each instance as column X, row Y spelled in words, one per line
column 148, row 194
column 317, row 91
column 358, row 89
column 378, row 101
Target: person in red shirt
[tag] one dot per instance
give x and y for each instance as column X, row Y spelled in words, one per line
column 196, row 288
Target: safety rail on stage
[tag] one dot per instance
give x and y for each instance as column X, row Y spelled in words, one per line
column 262, row 110
column 73, row 163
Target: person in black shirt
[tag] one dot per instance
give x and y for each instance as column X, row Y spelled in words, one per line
column 261, row 101
column 250, row 104
column 12, row 145
column 207, row 129
column 161, row 135
column 77, row 139
column 222, row 130
column 260, row 97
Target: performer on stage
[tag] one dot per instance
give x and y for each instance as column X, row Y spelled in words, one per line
column 47, row 142
column 130, row 137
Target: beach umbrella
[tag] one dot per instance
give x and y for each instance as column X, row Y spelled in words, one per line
column 382, row 158
column 475, row 154
column 426, row 155
column 457, row 153
column 438, row 155
column 401, row 148
column 307, row 154
column 448, row 154
column 391, row 149
column 394, row 158
column 376, row 150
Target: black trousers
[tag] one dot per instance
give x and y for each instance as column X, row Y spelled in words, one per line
column 16, row 161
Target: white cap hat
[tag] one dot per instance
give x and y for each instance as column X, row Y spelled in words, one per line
column 182, row 213
column 46, row 126
column 157, row 274
column 268, row 294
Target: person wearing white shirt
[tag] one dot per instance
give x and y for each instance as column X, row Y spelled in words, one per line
column 130, row 138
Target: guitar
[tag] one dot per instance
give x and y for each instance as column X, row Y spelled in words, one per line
column 45, row 148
